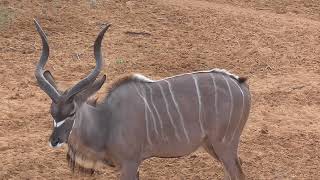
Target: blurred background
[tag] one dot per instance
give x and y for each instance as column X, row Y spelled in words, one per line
column 275, row 43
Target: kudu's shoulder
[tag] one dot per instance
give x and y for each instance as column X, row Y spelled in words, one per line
column 125, row 79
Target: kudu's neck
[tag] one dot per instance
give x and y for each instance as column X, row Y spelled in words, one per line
column 91, row 129
column 87, row 143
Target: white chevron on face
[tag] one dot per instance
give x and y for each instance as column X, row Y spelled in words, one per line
column 58, row 124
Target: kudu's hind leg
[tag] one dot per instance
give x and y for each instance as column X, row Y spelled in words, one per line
column 232, row 169
column 228, row 157
column 129, row 171
column 209, row 148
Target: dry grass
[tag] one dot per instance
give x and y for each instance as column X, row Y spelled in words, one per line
column 6, row 16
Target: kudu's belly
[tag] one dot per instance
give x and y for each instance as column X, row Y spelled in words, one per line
column 174, row 142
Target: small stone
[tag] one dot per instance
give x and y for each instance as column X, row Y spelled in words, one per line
column 4, row 146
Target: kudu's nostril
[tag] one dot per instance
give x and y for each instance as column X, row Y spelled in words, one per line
column 55, row 142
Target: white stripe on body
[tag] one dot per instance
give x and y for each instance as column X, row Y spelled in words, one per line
column 215, row 102
column 147, row 123
column 156, row 110
column 75, row 107
column 169, row 114
column 242, row 107
column 153, row 118
column 199, row 104
column 178, row 110
column 146, row 115
column 231, row 109
column 223, row 71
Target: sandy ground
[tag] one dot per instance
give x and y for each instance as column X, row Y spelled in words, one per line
column 274, row 43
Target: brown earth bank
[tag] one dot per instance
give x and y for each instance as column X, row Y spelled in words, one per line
column 274, row 43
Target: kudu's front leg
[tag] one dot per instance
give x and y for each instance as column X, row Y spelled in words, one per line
column 129, row 171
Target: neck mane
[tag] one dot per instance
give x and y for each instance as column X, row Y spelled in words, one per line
column 81, row 156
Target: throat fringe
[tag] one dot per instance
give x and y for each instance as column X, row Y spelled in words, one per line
column 79, row 162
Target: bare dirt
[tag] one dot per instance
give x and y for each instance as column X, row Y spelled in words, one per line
column 274, row 43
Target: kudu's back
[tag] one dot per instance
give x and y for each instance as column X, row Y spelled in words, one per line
column 174, row 116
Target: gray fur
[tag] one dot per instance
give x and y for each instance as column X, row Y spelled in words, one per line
column 141, row 118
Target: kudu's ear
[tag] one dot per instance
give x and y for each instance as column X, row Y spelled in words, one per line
column 50, row 78
column 91, row 89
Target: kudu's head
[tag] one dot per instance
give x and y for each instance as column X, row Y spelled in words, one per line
column 65, row 105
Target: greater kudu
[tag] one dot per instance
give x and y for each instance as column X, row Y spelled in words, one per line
column 142, row 118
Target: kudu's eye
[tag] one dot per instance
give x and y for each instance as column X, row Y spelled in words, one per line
column 72, row 114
